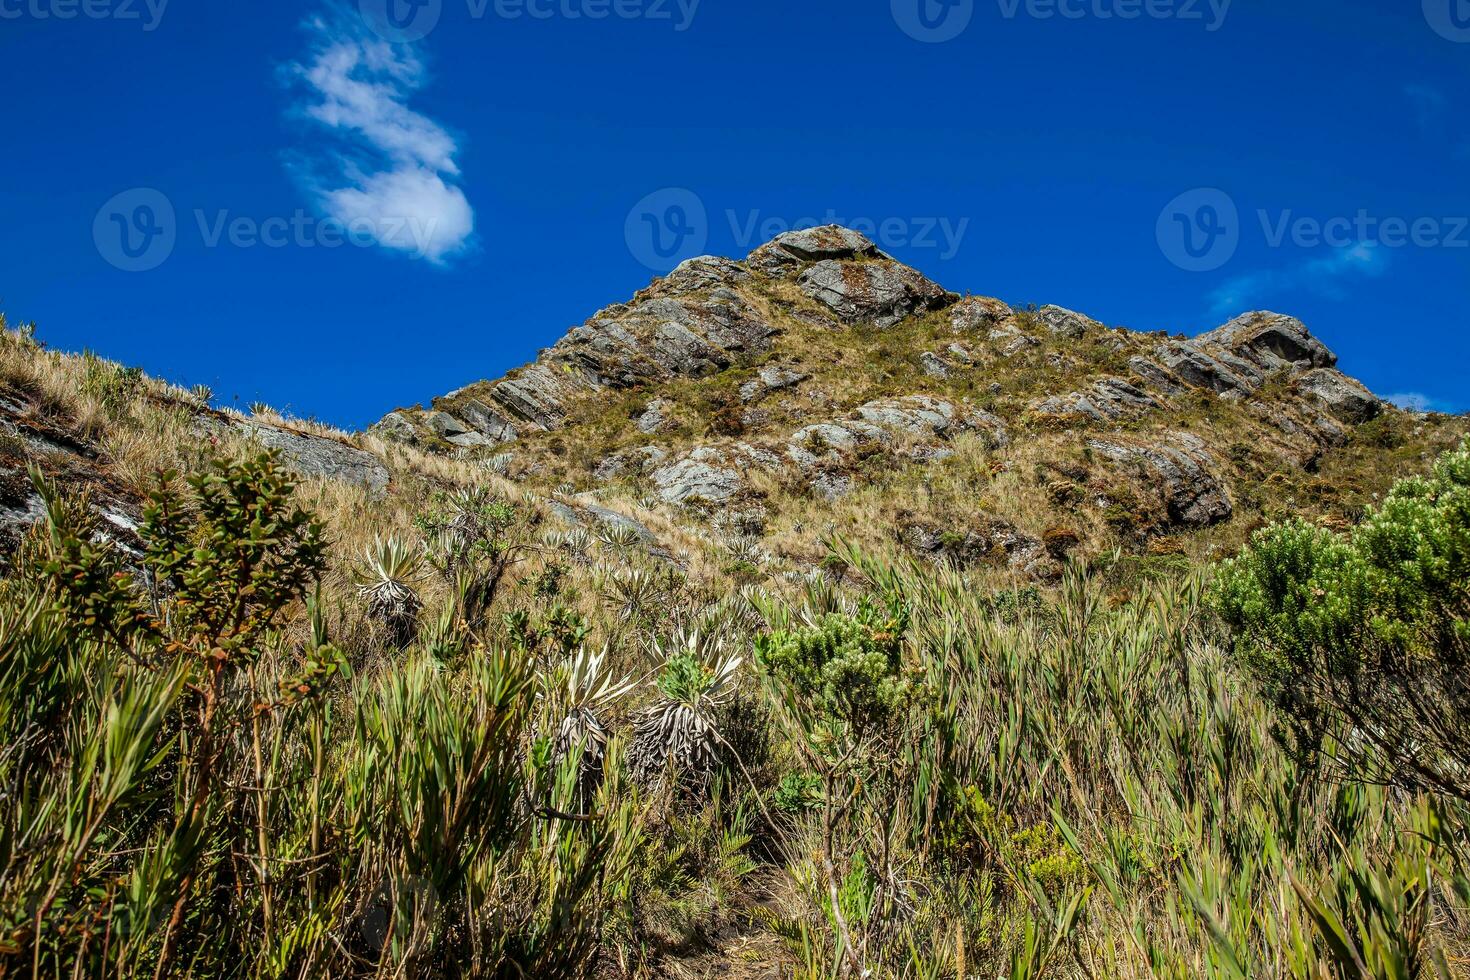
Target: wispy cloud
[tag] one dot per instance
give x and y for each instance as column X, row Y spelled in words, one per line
column 1416, row 401
column 1429, row 107
column 1324, row 276
column 382, row 168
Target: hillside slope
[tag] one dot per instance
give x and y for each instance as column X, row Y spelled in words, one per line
column 819, row 385
column 617, row 667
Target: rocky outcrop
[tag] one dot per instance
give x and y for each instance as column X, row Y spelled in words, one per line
column 711, row 315
column 30, row 439
column 584, row 513
column 1271, row 342
column 769, row 379
column 696, row 321
column 914, row 427
column 1063, row 322
column 693, row 323
column 311, row 456
column 934, row 365
column 1106, row 400
column 1155, row 377
column 655, row 416
column 710, row 474
column 1218, row 371
column 979, row 315
column 848, row 274
column 784, row 254
column 923, row 416
column 881, row 292
column 630, row 462
column 988, row 541
column 1236, row 359
column 1181, row 469
column 1345, row 398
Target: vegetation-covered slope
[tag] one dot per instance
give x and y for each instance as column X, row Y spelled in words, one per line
column 738, row 637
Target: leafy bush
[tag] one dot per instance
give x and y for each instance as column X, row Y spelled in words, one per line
column 1363, row 639
column 843, row 672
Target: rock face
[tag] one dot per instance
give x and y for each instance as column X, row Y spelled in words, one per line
column 74, row 463
column 1155, row 377
column 770, row 379
column 1107, row 400
column 1182, row 469
column 710, row 474
column 988, row 542
column 1219, row 371
column 1064, row 323
column 1236, row 359
column 579, row 512
column 978, row 314
column 1271, row 341
column 1345, row 398
column 882, row 292
column 311, row 456
column 632, row 462
column 785, row 253
column 934, row 365
column 655, row 417
column 1048, row 371
column 697, row 321
column 30, row 439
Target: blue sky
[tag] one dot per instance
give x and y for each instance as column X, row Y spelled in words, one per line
column 175, row 172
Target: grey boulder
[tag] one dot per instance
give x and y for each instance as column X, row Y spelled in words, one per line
column 1345, row 399
column 883, row 292
column 1181, row 469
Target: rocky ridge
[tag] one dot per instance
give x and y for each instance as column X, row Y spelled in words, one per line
column 819, row 385
column 1130, row 410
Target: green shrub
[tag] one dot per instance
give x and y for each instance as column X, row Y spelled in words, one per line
column 1363, row 638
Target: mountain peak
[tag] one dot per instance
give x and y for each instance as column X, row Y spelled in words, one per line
column 819, row 366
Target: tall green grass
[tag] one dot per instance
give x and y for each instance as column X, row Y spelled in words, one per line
column 909, row 776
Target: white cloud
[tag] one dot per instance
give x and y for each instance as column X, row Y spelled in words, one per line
column 1416, row 401
column 385, row 169
column 1324, row 276
column 1412, row 400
